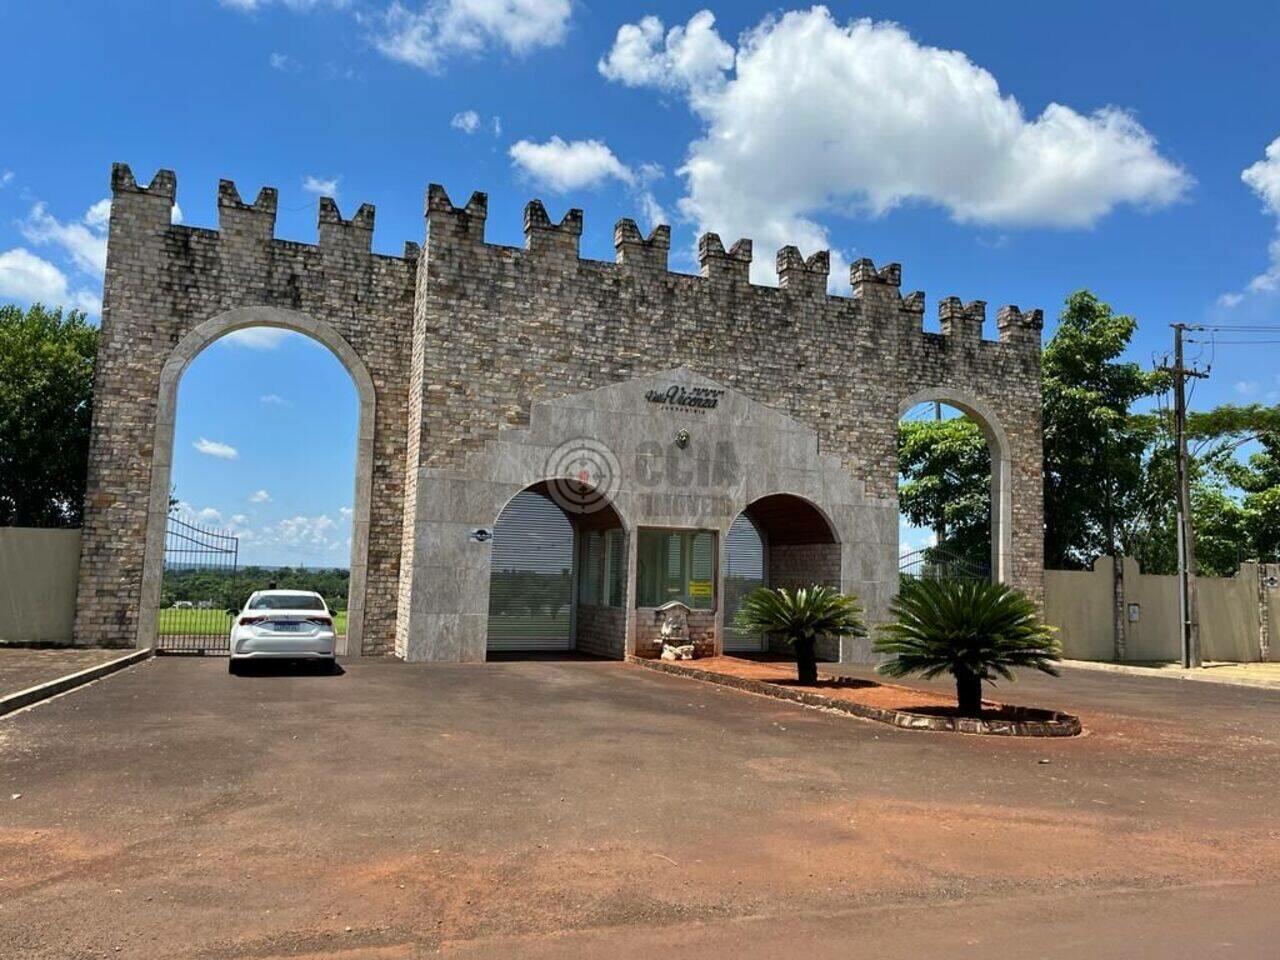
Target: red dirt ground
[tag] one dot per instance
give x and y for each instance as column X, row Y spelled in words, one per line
column 870, row 693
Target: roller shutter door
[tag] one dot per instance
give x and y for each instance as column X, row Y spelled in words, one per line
column 531, row 580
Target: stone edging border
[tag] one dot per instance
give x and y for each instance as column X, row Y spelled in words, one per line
column 1048, row 723
column 51, row 688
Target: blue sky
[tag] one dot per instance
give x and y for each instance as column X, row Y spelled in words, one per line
column 1010, row 152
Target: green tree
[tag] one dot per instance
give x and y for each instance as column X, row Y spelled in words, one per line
column 1094, row 450
column 801, row 617
column 46, row 391
column 945, row 470
column 1235, row 503
column 973, row 630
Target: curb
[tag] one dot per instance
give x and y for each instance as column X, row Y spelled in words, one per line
column 1204, row 675
column 1054, row 724
column 51, row 688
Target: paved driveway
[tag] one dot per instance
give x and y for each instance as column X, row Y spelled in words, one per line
column 583, row 809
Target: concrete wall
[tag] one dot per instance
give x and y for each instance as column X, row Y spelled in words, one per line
column 1231, row 613
column 1269, row 610
column 1078, row 603
column 38, row 571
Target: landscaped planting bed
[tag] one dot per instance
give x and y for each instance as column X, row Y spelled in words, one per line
column 885, row 702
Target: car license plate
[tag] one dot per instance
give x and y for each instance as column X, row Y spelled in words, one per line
column 287, row 626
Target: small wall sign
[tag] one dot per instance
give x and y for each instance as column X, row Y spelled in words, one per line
column 481, row 535
column 682, row 398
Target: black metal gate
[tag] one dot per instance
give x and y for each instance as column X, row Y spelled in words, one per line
column 198, row 591
column 934, row 563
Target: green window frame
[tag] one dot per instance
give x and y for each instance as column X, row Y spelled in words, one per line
column 676, row 565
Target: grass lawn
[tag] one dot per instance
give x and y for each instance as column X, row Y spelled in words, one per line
column 212, row 623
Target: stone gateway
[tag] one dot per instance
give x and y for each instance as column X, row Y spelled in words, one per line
column 508, row 393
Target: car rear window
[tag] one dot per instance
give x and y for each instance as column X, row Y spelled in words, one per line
column 287, row 601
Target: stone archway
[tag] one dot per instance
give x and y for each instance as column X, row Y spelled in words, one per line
column 187, row 349
column 981, row 413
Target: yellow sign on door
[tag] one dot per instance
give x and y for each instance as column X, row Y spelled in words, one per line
column 699, row 588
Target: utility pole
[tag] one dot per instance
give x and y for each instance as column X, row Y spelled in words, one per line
column 1188, row 623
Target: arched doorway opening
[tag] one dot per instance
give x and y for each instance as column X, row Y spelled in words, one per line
column 780, row 540
column 558, row 575
column 314, row 526
column 953, row 489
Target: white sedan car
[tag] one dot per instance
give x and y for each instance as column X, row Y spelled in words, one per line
column 283, row 625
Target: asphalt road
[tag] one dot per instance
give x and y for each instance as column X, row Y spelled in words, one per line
column 586, row 809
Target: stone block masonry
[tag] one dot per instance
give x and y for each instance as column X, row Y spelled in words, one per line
column 461, row 341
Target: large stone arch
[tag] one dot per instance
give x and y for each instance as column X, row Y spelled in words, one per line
column 981, row 413
column 188, row 348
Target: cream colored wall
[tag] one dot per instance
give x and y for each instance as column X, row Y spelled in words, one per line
column 1273, row 612
column 1154, row 636
column 38, row 571
column 1229, row 622
column 1078, row 603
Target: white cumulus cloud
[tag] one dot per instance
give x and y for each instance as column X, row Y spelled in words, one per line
column 216, row 448
column 84, row 240
column 259, row 496
column 1263, row 178
column 321, row 186
column 692, row 57
column 300, row 6
column 28, row 278
column 258, row 338
column 810, row 114
column 468, row 121
column 563, row 166
column 426, row 34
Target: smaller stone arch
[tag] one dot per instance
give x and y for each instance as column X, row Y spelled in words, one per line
column 190, row 346
column 541, row 528
column 981, row 413
column 801, row 546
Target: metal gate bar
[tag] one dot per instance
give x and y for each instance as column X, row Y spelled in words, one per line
column 199, row 587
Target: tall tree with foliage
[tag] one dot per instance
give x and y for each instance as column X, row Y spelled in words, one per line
column 1094, row 451
column 1235, row 503
column 46, row 391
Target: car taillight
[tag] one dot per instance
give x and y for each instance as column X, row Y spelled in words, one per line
column 249, row 621
column 320, row 621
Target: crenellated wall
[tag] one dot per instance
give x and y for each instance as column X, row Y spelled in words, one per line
column 168, row 288
column 457, row 343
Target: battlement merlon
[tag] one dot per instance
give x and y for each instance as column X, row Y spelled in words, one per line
column 1020, row 329
column 239, row 221
column 449, row 223
column 962, row 320
column 354, row 236
column 149, row 207
column 802, row 276
column 715, row 263
column 541, row 235
column 633, row 250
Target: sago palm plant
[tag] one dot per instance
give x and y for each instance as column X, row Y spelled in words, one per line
column 801, row 617
column 971, row 629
